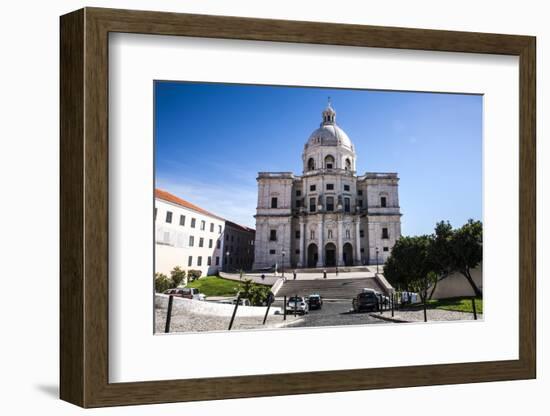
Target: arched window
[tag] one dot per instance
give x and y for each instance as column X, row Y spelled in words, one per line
column 310, row 164
column 329, row 162
column 348, row 164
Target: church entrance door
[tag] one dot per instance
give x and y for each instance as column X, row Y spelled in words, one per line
column 330, row 255
column 347, row 251
column 312, row 255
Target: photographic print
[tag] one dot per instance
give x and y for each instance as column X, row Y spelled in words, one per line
column 282, row 207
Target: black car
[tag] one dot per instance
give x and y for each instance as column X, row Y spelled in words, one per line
column 366, row 301
column 315, row 301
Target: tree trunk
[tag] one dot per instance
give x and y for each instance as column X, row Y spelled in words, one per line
column 468, row 276
column 433, row 290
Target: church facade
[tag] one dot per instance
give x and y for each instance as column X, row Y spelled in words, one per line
column 329, row 216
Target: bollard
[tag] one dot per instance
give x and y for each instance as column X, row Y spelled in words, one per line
column 474, row 308
column 169, row 314
column 234, row 312
column 425, row 313
column 392, row 304
column 270, row 300
column 284, row 309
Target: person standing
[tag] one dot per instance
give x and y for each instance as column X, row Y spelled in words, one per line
column 294, row 274
column 324, row 273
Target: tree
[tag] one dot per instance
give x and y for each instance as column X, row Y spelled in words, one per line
column 441, row 253
column 162, row 283
column 466, row 247
column 255, row 293
column 177, row 275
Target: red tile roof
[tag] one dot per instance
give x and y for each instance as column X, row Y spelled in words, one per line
column 167, row 196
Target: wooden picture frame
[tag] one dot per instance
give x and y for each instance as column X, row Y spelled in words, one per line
column 84, row 207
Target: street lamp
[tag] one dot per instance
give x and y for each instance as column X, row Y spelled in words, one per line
column 227, row 261
column 376, row 260
column 283, row 264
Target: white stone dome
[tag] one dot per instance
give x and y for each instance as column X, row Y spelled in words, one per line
column 329, row 135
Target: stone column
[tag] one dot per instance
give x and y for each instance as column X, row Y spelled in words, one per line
column 357, row 243
column 340, row 248
column 301, row 263
column 320, row 248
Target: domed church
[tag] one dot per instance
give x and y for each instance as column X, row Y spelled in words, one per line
column 329, row 216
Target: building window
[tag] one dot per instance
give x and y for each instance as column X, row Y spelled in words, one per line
column 217, row 260
column 359, row 192
column 199, row 261
column 272, row 235
column 209, row 261
column 362, row 250
column 190, row 261
column 312, row 188
column 346, row 187
column 232, row 238
column 219, row 229
column 329, row 233
column 297, row 251
column 298, row 193
column 211, row 227
column 169, row 217
column 330, row 203
column 312, row 234
column 385, row 234
column 193, row 222
column 311, row 204
column 201, row 242
column 385, row 249
column 360, row 203
column 218, row 244
column 210, row 243
column 330, row 186
column 298, row 203
column 166, row 237
column 348, row 164
column 347, row 207
column 383, row 202
column 227, row 237
column 182, row 220
column 271, row 251
column 329, row 162
column 298, row 234
column 273, row 202
column 203, row 225
column 310, row 164
column 191, row 241
column 348, row 234
column 361, row 233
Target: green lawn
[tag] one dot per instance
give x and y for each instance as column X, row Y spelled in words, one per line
column 215, row 286
column 457, row 304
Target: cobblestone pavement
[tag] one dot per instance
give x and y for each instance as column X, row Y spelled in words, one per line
column 438, row 315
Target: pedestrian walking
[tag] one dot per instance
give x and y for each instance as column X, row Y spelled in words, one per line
column 294, row 274
column 324, row 273
column 263, row 276
column 336, row 270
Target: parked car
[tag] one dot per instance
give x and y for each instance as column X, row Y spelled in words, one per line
column 297, row 304
column 185, row 292
column 242, row 302
column 366, row 301
column 315, row 301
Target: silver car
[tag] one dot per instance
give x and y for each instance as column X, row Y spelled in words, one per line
column 297, row 304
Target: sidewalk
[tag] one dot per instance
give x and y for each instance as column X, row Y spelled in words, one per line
column 271, row 278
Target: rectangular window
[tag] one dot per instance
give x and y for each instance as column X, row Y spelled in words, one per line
column 361, row 233
column 360, row 203
column 385, row 233
column 193, row 222
column 271, row 251
column 362, row 250
column 191, row 241
column 168, row 217
column 312, row 188
column 386, row 249
column 199, row 261
column 209, row 261
column 311, row 204
column 203, row 225
column 330, row 203
column 298, row 234
column 273, row 202
column 298, row 203
column 346, row 187
column 272, row 235
column 297, row 251
column 217, row 260
column 383, row 202
column 218, row 244
column 298, row 193
column 210, row 243
column 227, row 237
column 166, row 237
column 201, row 242
column 182, row 220
column 359, row 192
column 347, row 207
column 190, row 261
column 219, row 229
column 211, row 227
column 330, row 186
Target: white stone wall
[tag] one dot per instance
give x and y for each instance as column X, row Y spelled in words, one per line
column 172, row 239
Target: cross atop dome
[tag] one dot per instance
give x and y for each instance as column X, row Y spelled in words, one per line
column 329, row 115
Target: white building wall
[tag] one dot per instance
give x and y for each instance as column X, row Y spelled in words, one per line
column 172, row 240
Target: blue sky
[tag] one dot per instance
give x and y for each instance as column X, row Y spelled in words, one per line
column 213, row 139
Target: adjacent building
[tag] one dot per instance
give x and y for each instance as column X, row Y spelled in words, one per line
column 191, row 237
column 329, row 216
